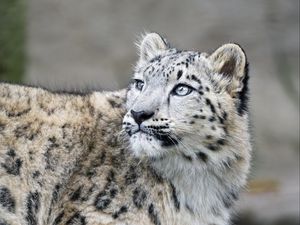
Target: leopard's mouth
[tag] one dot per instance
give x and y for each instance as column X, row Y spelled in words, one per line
column 165, row 138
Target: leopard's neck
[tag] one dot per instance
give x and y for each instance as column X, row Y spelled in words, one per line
column 202, row 194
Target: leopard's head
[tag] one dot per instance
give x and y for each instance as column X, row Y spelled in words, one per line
column 185, row 102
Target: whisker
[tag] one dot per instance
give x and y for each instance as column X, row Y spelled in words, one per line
column 189, row 150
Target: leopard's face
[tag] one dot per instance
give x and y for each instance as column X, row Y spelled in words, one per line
column 169, row 104
column 176, row 107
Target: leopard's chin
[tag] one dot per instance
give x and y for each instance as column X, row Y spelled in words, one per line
column 146, row 145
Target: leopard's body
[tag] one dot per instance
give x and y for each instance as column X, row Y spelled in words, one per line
column 182, row 157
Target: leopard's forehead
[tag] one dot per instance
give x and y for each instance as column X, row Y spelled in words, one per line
column 166, row 66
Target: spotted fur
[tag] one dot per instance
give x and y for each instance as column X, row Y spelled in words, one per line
column 181, row 157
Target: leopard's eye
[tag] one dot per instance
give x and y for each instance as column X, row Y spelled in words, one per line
column 182, row 90
column 139, row 84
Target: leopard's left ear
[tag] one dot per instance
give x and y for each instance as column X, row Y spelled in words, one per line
column 151, row 45
column 230, row 62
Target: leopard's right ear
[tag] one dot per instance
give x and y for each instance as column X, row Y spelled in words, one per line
column 151, row 45
column 230, row 62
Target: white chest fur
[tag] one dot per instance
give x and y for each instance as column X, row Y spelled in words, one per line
column 199, row 193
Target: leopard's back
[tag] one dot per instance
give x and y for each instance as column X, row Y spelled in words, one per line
column 43, row 138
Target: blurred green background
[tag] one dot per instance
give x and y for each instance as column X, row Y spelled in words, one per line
column 75, row 44
column 12, row 39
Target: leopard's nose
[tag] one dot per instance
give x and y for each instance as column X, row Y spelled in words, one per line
column 141, row 116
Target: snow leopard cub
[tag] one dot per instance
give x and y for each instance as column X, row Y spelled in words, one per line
column 182, row 160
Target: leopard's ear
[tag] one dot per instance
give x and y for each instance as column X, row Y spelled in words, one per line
column 152, row 45
column 230, row 62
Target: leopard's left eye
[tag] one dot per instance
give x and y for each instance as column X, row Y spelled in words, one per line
column 182, row 90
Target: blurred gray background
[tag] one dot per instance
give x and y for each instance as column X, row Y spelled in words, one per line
column 75, row 44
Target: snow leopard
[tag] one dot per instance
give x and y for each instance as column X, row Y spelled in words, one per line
column 172, row 149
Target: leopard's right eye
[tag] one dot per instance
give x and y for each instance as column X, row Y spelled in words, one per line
column 139, row 84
